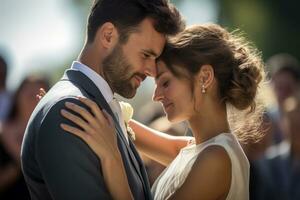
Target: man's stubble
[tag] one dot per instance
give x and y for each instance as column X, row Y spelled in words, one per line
column 118, row 73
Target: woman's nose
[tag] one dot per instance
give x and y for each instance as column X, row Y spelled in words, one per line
column 157, row 95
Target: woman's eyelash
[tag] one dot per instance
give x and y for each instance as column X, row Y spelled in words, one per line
column 165, row 83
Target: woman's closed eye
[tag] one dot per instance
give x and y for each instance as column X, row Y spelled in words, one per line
column 165, row 83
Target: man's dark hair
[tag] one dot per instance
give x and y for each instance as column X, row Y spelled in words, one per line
column 126, row 15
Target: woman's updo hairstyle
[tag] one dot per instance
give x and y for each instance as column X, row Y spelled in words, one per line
column 237, row 65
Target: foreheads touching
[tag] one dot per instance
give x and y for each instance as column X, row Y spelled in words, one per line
column 237, row 67
column 144, row 30
column 227, row 58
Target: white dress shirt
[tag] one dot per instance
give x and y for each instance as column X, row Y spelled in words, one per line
column 106, row 91
column 173, row 177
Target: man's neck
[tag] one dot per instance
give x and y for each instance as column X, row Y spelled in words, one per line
column 90, row 58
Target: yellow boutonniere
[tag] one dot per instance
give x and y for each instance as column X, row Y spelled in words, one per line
column 127, row 113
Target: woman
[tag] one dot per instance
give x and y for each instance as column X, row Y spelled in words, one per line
column 204, row 74
column 12, row 184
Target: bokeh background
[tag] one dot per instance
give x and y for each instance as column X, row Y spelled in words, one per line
column 46, row 36
column 43, row 38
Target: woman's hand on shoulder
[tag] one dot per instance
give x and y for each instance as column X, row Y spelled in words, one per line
column 41, row 94
column 97, row 128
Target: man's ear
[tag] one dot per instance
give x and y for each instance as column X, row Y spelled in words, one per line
column 107, row 35
column 206, row 76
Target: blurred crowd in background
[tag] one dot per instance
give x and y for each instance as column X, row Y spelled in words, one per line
column 274, row 160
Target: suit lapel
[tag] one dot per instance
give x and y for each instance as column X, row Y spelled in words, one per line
column 82, row 81
column 142, row 169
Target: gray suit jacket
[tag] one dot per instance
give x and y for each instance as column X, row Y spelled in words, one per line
column 59, row 165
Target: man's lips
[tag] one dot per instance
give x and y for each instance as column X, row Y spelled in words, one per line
column 139, row 79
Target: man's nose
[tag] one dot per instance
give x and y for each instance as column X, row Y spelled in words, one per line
column 150, row 68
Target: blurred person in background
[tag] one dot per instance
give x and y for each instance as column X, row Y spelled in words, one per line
column 285, row 80
column 260, row 185
column 23, row 103
column 284, row 158
column 4, row 94
column 284, row 73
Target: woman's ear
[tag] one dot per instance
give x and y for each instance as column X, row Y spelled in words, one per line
column 107, row 35
column 205, row 76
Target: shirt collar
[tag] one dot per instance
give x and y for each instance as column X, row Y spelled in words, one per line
column 100, row 83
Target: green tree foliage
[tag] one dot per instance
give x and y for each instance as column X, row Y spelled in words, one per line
column 273, row 25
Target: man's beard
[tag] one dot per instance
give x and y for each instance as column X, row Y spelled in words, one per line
column 118, row 73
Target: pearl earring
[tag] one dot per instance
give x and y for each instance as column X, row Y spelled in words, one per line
column 203, row 89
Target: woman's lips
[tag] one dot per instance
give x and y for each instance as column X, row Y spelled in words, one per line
column 167, row 105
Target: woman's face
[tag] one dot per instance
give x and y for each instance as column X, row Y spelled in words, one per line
column 174, row 94
column 27, row 97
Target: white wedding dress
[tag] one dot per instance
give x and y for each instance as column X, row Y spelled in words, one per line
column 175, row 174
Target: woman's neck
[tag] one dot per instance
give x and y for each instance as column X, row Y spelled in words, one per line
column 209, row 123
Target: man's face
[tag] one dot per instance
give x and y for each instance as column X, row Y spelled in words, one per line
column 129, row 64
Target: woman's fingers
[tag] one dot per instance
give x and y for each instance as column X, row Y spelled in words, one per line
column 42, row 92
column 74, row 131
column 98, row 145
column 94, row 108
column 83, row 112
column 77, row 120
column 38, row 97
column 109, row 118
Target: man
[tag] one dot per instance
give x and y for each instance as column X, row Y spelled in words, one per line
column 285, row 80
column 124, row 38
